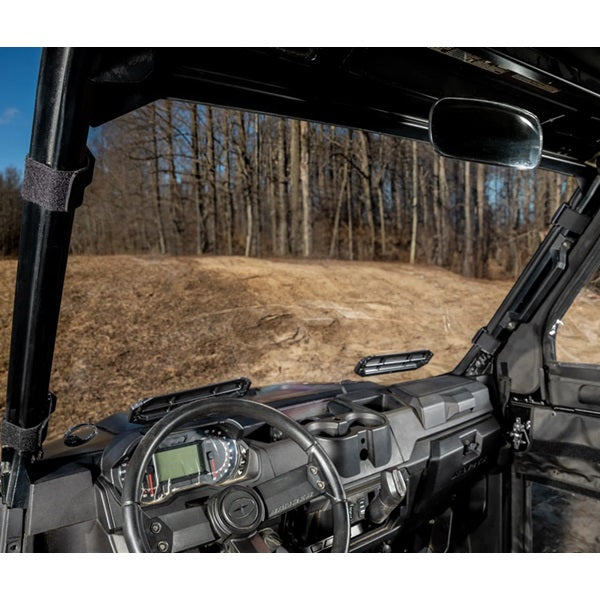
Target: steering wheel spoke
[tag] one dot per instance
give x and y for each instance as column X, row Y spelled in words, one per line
column 292, row 489
column 175, row 531
column 189, row 527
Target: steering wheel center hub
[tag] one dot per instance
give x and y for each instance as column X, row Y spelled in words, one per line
column 237, row 510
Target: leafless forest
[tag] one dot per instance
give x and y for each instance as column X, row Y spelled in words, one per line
column 178, row 179
column 183, row 179
column 10, row 212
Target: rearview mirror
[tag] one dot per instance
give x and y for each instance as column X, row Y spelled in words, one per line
column 484, row 131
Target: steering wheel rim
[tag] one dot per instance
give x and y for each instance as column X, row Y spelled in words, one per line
column 133, row 530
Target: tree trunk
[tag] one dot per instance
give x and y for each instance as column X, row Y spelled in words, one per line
column 156, row 176
column 305, row 186
column 294, row 184
column 350, row 223
column 197, row 183
column 481, row 237
column 282, row 229
column 557, row 192
column 338, row 208
column 229, row 206
column 378, row 185
column 445, row 226
column 271, row 196
column 415, row 213
column 177, row 209
column 435, row 199
column 246, row 181
column 364, row 165
column 468, row 249
column 514, row 263
column 212, row 179
column 255, row 196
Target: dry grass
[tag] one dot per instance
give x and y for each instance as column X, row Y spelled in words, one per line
column 132, row 327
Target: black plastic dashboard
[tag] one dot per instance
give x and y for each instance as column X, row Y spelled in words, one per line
column 419, row 443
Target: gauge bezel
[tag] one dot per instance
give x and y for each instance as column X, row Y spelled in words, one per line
column 236, row 471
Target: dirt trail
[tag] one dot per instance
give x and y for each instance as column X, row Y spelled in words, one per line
column 136, row 326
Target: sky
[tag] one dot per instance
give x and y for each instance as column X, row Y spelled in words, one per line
column 18, row 79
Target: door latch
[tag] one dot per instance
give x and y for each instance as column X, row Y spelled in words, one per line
column 520, row 434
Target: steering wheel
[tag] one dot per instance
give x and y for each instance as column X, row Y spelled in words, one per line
column 237, row 511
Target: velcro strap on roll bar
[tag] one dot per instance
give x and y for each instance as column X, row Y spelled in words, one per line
column 569, row 219
column 27, row 439
column 55, row 190
column 23, row 440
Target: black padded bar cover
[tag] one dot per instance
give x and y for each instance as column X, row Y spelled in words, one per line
column 58, row 191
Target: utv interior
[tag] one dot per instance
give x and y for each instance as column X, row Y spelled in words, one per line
column 441, row 464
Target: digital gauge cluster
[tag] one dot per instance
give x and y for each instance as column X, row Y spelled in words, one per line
column 190, row 459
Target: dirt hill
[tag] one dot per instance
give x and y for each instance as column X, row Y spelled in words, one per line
column 132, row 327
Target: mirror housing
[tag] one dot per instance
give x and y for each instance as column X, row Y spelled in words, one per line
column 484, row 131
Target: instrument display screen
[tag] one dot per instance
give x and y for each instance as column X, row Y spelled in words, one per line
column 177, row 462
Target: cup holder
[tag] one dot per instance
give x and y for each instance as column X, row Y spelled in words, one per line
column 351, row 437
column 338, row 426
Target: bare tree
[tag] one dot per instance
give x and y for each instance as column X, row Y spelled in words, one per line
column 415, row 204
column 468, row 267
column 282, row 228
column 294, row 184
column 156, row 177
column 259, row 186
column 481, row 259
column 305, row 187
column 10, row 211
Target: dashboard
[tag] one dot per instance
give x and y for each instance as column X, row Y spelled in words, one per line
column 405, row 454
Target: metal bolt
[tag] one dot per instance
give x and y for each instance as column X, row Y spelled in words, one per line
column 313, row 470
column 155, row 527
column 321, row 485
column 163, row 546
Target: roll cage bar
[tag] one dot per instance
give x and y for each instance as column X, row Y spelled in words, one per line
column 383, row 90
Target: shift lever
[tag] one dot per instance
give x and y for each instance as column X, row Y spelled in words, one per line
column 393, row 491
